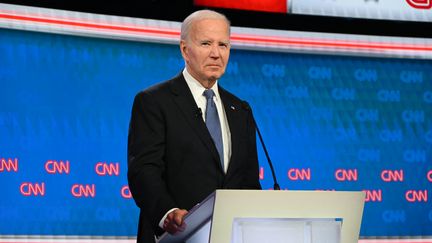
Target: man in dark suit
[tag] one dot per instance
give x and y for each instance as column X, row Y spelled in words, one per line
column 188, row 136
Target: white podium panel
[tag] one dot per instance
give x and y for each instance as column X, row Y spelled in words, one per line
column 248, row 216
column 266, row 230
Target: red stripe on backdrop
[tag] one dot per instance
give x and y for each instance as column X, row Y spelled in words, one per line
column 308, row 42
column 242, row 38
column 278, row 6
column 79, row 23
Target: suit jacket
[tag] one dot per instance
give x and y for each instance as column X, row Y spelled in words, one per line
column 172, row 160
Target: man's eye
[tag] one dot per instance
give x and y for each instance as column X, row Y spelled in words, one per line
column 205, row 43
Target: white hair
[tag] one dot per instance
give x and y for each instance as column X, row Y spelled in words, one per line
column 197, row 16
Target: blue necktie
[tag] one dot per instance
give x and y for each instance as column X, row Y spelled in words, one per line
column 213, row 123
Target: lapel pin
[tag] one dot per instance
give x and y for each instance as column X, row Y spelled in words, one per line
column 233, row 108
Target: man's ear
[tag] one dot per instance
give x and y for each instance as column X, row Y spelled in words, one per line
column 183, row 49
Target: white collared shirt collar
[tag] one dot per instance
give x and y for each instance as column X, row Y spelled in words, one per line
column 197, row 88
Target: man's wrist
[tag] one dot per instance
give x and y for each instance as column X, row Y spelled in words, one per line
column 161, row 222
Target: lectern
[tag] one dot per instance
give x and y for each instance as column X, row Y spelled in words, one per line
column 249, row 216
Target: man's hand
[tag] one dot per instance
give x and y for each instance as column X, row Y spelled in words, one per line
column 174, row 221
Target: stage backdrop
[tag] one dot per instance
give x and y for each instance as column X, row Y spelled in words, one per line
column 330, row 123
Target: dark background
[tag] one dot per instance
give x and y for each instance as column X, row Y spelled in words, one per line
column 178, row 10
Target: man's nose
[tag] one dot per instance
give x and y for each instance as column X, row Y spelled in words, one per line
column 214, row 51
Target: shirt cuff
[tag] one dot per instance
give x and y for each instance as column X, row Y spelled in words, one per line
column 161, row 222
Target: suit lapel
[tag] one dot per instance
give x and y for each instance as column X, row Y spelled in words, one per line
column 186, row 104
column 232, row 111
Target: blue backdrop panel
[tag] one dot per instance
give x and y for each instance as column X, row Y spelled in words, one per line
column 330, row 123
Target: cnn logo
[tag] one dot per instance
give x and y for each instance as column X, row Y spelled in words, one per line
column 9, row 165
column 32, row 189
column 107, row 169
column 413, row 196
column 57, row 167
column 80, row 190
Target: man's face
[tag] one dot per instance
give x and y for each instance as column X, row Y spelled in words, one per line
column 207, row 49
